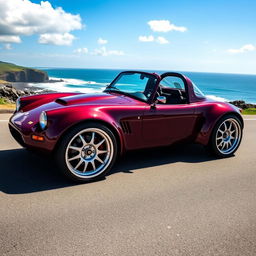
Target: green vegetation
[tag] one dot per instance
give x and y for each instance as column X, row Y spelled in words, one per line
column 5, row 104
column 249, row 111
column 3, row 101
column 9, row 67
column 14, row 73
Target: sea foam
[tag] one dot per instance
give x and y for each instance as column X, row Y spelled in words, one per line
column 217, row 98
column 71, row 85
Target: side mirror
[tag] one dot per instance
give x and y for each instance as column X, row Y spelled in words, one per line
column 161, row 99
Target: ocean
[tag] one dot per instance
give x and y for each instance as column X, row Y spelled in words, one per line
column 220, row 86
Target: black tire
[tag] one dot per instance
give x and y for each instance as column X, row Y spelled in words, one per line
column 62, row 152
column 216, row 133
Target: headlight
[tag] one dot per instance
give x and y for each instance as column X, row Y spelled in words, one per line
column 18, row 104
column 43, row 120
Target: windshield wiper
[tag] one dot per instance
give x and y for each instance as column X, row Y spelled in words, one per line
column 111, row 87
column 116, row 90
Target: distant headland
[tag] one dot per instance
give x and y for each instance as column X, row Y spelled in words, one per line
column 13, row 73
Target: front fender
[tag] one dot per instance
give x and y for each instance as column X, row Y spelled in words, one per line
column 61, row 120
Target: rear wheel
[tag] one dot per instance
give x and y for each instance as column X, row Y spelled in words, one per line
column 87, row 152
column 226, row 136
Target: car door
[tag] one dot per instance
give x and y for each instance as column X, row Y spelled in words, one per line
column 164, row 124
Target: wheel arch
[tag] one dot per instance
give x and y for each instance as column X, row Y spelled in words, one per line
column 212, row 143
column 224, row 115
column 206, row 131
column 227, row 114
column 99, row 121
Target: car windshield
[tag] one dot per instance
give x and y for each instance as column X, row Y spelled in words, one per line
column 134, row 84
column 197, row 91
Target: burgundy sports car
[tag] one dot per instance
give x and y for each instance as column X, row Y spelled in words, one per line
column 87, row 132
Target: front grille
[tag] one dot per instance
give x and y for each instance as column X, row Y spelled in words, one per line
column 16, row 135
column 126, row 127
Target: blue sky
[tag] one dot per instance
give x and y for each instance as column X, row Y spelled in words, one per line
column 203, row 36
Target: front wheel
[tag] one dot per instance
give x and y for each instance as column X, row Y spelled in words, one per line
column 226, row 136
column 87, row 152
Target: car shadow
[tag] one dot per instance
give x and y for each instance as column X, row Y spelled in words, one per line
column 134, row 160
column 25, row 172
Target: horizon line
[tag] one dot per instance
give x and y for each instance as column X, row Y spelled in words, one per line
column 143, row 69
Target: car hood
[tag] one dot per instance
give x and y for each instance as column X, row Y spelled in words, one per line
column 96, row 99
column 31, row 112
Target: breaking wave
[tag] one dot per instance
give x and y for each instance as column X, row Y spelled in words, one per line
column 217, row 98
column 70, row 85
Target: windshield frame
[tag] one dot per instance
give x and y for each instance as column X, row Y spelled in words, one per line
column 197, row 91
column 154, row 75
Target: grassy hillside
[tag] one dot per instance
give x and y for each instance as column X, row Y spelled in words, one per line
column 14, row 73
column 9, row 67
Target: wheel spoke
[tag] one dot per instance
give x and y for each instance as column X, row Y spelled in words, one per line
column 100, row 143
column 220, row 143
column 85, row 166
column 230, row 126
column 82, row 139
column 225, row 126
column 92, row 138
column 220, row 131
column 75, row 148
column 100, row 160
column 231, row 132
column 102, row 151
column 219, row 138
column 73, row 158
column 93, row 165
column 80, row 162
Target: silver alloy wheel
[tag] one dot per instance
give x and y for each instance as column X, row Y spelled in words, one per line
column 228, row 136
column 89, row 153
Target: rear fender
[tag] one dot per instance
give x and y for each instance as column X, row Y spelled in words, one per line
column 210, row 116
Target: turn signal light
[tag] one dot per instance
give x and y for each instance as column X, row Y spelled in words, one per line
column 37, row 138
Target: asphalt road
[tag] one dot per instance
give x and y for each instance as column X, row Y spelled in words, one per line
column 174, row 201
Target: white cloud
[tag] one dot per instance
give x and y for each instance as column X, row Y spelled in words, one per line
column 7, row 46
column 102, row 51
column 162, row 40
column 102, row 41
column 164, row 26
column 159, row 39
column 56, row 39
column 245, row 48
column 24, row 18
column 10, row 39
column 146, row 38
column 81, row 50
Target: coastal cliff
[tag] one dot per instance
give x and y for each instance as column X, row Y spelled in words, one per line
column 13, row 73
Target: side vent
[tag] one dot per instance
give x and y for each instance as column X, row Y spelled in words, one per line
column 126, row 127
